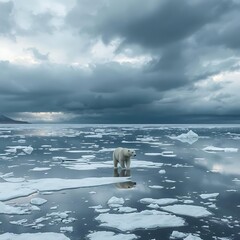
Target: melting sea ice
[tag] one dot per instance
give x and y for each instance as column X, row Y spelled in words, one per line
column 58, row 182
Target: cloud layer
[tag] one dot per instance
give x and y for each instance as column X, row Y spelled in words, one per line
column 121, row 61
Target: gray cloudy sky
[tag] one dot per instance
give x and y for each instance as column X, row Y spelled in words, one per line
column 128, row 61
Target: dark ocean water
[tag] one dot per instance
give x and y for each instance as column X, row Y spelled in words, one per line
column 74, row 151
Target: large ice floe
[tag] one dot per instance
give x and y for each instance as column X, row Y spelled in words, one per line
column 209, row 195
column 6, row 209
column 33, row 236
column 218, row 149
column 107, row 235
column 25, row 149
column 188, row 210
column 9, row 190
column 147, row 219
column 189, row 137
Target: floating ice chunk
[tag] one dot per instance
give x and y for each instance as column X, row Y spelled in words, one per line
column 114, row 201
column 163, row 154
column 126, row 209
column 103, row 210
column 106, row 235
column 6, row 209
column 66, row 229
column 156, row 186
column 162, row 171
column 153, row 154
column 177, row 234
column 192, row 237
column 188, row 210
column 189, row 137
column 38, row 201
column 154, row 206
column 161, row 201
column 33, row 236
column 218, row 149
column 147, row 219
column 28, row 150
column 40, row 169
column 209, row 195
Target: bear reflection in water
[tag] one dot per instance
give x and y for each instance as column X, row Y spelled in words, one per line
column 124, row 173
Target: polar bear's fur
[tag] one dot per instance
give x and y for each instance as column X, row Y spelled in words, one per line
column 123, row 157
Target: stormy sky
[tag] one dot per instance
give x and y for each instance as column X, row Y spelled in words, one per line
column 128, row 61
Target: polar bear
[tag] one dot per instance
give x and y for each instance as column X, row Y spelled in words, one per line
column 123, row 157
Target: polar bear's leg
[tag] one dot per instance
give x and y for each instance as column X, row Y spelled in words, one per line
column 115, row 161
column 122, row 164
column 128, row 162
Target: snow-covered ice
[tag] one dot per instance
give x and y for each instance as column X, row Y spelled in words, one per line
column 147, row 219
column 218, row 149
column 38, row 201
column 161, row 201
column 33, row 236
column 107, row 235
column 177, row 235
column 14, row 190
column 209, row 195
column 188, row 210
column 7, row 209
column 40, row 169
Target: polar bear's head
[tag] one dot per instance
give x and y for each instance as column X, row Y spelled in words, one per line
column 130, row 153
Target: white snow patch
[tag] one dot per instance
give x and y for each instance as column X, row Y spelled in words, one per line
column 188, row 210
column 147, row 219
column 209, row 195
column 33, row 236
column 66, row 229
column 107, row 235
column 218, row 149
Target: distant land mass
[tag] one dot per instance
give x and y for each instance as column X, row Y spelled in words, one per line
column 7, row 120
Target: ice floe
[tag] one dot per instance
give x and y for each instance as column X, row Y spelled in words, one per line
column 188, row 210
column 192, row 237
column 209, row 195
column 14, row 190
column 218, row 149
column 189, row 137
column 161, row 201
column 25, row 149
column 147, row 219
column 38, row 201
column 177, row 235
column 33, row 236
column 6, row 209
column 107, row 235
column 156, row 186
column 40, row 169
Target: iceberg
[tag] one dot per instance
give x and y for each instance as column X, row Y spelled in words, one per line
column 189, row 137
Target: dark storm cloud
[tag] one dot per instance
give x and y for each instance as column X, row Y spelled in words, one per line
column 165, row 22
column 188, row 42
column 61, row 88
